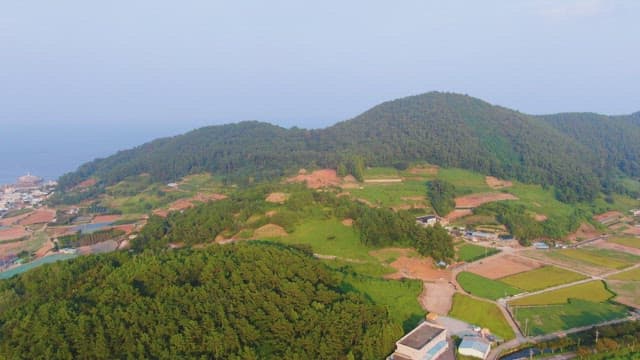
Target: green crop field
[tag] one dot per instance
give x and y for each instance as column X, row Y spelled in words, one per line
column 577, row 313
column 470, row 252
column 480, row 286
column 481, row 313
column 538, row 200
column 630, row 241
column 329, row 237
column 381, row 173
column 631, row 275
column 542, row 278
column 399, row 296
column 591, row 291
column 392, row 194
column 597, row 257
column 466, row 182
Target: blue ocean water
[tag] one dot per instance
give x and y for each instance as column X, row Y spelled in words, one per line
column 49, row 150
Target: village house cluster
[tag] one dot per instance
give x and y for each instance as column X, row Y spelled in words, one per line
column 28, row 192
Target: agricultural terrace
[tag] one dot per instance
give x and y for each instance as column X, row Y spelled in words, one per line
column 396, row 195
column 594, row 291
column 470, row 252
column 485, row 288
column 481, row 313
column 542, row 278
column 630, row 275
column 630, row 241
column 540, row 320
column 610, row 259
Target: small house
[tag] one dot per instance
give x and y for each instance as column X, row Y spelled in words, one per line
column 475, row 347
column 541, row 246
column 427, row 220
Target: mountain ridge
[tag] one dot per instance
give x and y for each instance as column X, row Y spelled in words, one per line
column 445, row 129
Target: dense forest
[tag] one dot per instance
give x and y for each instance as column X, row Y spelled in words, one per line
column 223, row 302
column 579, row 154
column 441, row 196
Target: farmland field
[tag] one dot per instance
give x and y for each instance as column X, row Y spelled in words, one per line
column 627, row 292
column 542, row 278
column 483, row 287
column 599, row 257
column 591, row 291
column 481, row 313
column 552, row 318
column 630, row 241
column 466, row 182
column 393, row 194
column 470, row 252
column 631, row 275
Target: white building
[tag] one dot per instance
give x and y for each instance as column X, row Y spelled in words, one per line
column 427, row 220
column 474, row 346
column 426, row 342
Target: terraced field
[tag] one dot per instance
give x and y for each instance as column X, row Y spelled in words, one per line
column 542, row 278
column 485, row 288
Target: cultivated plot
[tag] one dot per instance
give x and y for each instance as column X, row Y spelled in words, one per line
column 542, row 278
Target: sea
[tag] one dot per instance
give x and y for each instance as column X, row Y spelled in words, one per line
column 51, row 150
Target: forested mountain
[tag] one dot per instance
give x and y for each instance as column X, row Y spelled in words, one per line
column 440, row 128
column 223, row 302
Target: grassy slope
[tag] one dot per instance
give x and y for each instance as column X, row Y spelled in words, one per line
column 542, row 278
column 481, row 313
column 483, row 287
column 470, row 252
column 548, row 319
column 594, row 291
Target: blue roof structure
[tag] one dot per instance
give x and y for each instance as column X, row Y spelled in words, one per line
column 475, row 343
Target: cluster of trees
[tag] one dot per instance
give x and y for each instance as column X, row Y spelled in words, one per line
column 81, row 239
column 377, row 226
column 223, row 302
column 525, row 228
column 444, row 129
column 613, row 342
column 442, row 196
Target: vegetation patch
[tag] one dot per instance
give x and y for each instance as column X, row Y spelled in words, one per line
column 481, row 313
column 594, row 291
column 630, row 241
column 470, row 252
column 486, row 288
column 630, row 275
column 540, row 320
column 610, row 259
column 542, row 278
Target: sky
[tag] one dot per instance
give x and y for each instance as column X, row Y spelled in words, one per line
column 148, row 68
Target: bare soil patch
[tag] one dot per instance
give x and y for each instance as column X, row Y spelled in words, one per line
column 608, row 215
column 475, row 200
column 437, row 297
column 270, row 213
column 317, row 179
column 604, row 244
column 277, row 198
column 417, row 268
column 497, row 267
column 39, row 216
column 269, row 231
column 585, row 231
column 127, row 228
column 540, row 217
column 457, row 214
column 106, row 218
column 633, row 230
column 12, row 233
column 86, row 183
column 496, row 183
column 347, row 222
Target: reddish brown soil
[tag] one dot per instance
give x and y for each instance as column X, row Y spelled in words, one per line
column 497, row 267
column 87, row 183
column 127, row 228
column 475, row 200
column 12, row 220
column 540, row 217
column 608, row 214
column 317, row 179
column 417, row 268
column 496, row 183
column 634, row 230
column 457, row 214
column 106, row 218
column 15, row 232
column 347, row 222
column 585, row 231
column 39, row 216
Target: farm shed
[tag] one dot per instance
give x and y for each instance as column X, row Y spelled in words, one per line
column 474, row 346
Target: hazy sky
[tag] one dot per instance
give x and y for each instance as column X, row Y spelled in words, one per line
column 181, row 64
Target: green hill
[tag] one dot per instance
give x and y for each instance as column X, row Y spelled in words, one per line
column 445, row 129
